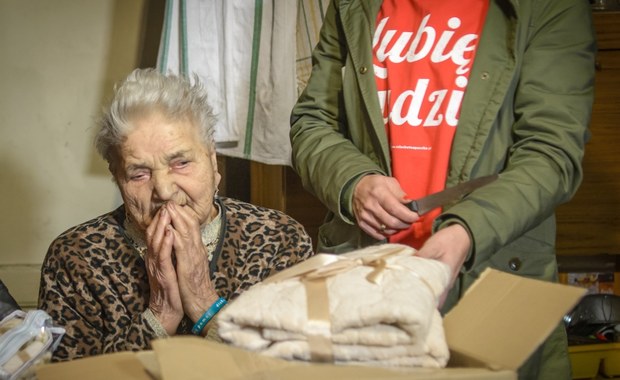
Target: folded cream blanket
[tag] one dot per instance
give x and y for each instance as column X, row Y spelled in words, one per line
column 376, row 305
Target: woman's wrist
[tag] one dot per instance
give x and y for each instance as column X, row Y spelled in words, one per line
column 168, row 321
column 208, row 316
column 198, row 308
column 158, row 329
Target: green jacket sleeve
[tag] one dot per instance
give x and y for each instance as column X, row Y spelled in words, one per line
column 323, row 154
column 551, row 108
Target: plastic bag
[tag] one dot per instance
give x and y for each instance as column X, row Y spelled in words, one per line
column 26, row 338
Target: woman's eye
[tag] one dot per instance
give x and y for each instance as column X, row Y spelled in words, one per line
column 138, row 176
column 180, row 164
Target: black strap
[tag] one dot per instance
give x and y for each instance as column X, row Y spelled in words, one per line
column 7, row 302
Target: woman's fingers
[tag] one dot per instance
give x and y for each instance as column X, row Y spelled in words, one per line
column 155, row 232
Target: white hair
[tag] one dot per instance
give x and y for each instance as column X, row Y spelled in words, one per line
column 146, row 91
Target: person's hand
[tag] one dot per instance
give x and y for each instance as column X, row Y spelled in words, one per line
column 192, row 266
column 165, row 298
column 449, row 245
column 378, row 205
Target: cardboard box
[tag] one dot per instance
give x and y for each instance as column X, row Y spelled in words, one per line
column 499, row 322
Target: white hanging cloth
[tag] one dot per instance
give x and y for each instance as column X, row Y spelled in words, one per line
column 245, row 53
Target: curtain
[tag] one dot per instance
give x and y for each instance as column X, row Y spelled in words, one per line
column 253, row 57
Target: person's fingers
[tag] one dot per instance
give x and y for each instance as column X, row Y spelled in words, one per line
column 378, row 203
column 186, row 225
column 372, row 231
column 150, row 230
column 165, row 248
column 156, row 230
column 393, row 219
column 449, row 245
column 159, row 262
column 378, row 219
column 192, row 266
column 400, row 216
column 165, row 298
column 185, row 215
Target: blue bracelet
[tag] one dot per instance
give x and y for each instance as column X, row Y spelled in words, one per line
column 206, row 317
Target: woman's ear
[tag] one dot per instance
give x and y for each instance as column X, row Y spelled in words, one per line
column 217, row 177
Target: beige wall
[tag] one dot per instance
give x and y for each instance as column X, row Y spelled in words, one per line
column 58, row 62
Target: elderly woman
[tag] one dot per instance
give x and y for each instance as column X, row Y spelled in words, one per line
column 165, row 261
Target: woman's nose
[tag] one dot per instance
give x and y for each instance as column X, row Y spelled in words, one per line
column 164, row 187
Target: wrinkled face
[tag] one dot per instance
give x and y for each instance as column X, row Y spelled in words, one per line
column 165, row 161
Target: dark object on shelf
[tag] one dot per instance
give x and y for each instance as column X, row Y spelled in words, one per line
column 605, row 5
column 7, row 302
column 594, row 319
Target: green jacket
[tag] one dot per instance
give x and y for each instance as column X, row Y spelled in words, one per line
column 524, row 115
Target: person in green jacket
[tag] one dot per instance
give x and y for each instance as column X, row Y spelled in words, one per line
column 408, row 97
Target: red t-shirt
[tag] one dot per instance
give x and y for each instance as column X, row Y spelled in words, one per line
column 423, row 53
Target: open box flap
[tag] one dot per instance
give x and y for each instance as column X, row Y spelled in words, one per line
column 503, row 318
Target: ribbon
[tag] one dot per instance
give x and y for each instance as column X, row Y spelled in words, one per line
column 325, row 265
column 319, row 326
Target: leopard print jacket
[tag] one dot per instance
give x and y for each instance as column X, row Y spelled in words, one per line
column 94, row 284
